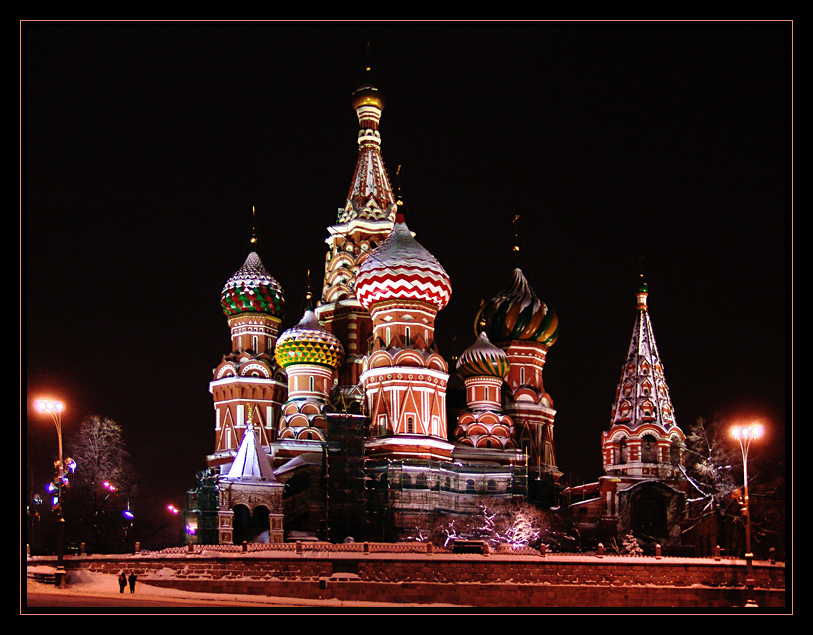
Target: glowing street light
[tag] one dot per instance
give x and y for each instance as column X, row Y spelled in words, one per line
column 54, row 409
column 744, row 435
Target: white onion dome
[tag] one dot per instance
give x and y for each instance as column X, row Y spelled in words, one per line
column 252, row 290
column 483, row 359
column 400, row 268
column 309, row 343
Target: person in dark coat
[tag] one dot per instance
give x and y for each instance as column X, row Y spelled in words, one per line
column 122, row 582
column 132, row 580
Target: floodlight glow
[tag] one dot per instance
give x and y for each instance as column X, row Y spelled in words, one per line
column 49, row 405
column 747, row 432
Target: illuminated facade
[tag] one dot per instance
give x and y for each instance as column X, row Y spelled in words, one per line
column 344, row 417
column 642, row 490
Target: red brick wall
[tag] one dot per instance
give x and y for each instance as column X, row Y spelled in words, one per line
column 460, row 579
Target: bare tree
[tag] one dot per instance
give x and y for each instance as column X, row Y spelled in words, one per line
column 102, row 487
column 499, row 521
column 710, row 458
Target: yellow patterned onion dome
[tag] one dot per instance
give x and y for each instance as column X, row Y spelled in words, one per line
column 518, row 314
column 309, row 343
column 252, row 290
column 483, row 359
column 400, row 268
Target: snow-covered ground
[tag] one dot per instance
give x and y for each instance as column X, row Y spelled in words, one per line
column 89, row 584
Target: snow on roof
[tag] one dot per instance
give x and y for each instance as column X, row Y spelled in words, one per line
column 250, row 462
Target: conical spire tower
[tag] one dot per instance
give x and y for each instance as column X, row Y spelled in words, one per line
column 643, row 395
column 644, row 440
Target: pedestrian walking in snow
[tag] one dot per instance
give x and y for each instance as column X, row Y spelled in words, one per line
column 122, row 582
column 132, row 580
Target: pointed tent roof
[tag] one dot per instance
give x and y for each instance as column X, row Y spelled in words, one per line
column 250, row 462
column 370, row 197
column 642, row 395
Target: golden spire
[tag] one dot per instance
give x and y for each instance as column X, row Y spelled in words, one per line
column 308, row 293
column 253, row 240
column 515, row 246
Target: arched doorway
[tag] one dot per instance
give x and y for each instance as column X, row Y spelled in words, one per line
column 251, row 527
column 648, row 512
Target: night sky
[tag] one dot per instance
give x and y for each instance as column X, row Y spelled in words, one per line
column 145, row 146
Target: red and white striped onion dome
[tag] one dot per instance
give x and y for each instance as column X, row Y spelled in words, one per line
column 252, row 290
column 309, row 343
column 483, row 359
column 518, row 314
column 400, row 268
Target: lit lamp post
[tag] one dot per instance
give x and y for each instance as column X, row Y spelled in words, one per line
column 744, row 435
column 54, row 409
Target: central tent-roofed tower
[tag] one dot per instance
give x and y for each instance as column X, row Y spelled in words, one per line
column 362, row 224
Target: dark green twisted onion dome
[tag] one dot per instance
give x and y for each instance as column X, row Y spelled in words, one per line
column 252, row 290
column 517, row 314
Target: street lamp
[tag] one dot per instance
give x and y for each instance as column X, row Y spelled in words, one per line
column 54, row 409
column 744, row 435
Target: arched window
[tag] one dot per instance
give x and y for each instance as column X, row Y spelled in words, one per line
column 622, row 451
column 410, row 425
column 649, row 449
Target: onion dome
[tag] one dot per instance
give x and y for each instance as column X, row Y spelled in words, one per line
column 483, row 359
column 518, row 314
column 309, row 343
column 367, row 94
column 400, row 268
column 252, row 290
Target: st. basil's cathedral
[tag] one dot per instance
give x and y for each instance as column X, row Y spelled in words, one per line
column 341, row 427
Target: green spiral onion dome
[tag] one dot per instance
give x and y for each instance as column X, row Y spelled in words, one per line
column 518, row 314
column 309, row 343
column 483, row 359
column 252, row 290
